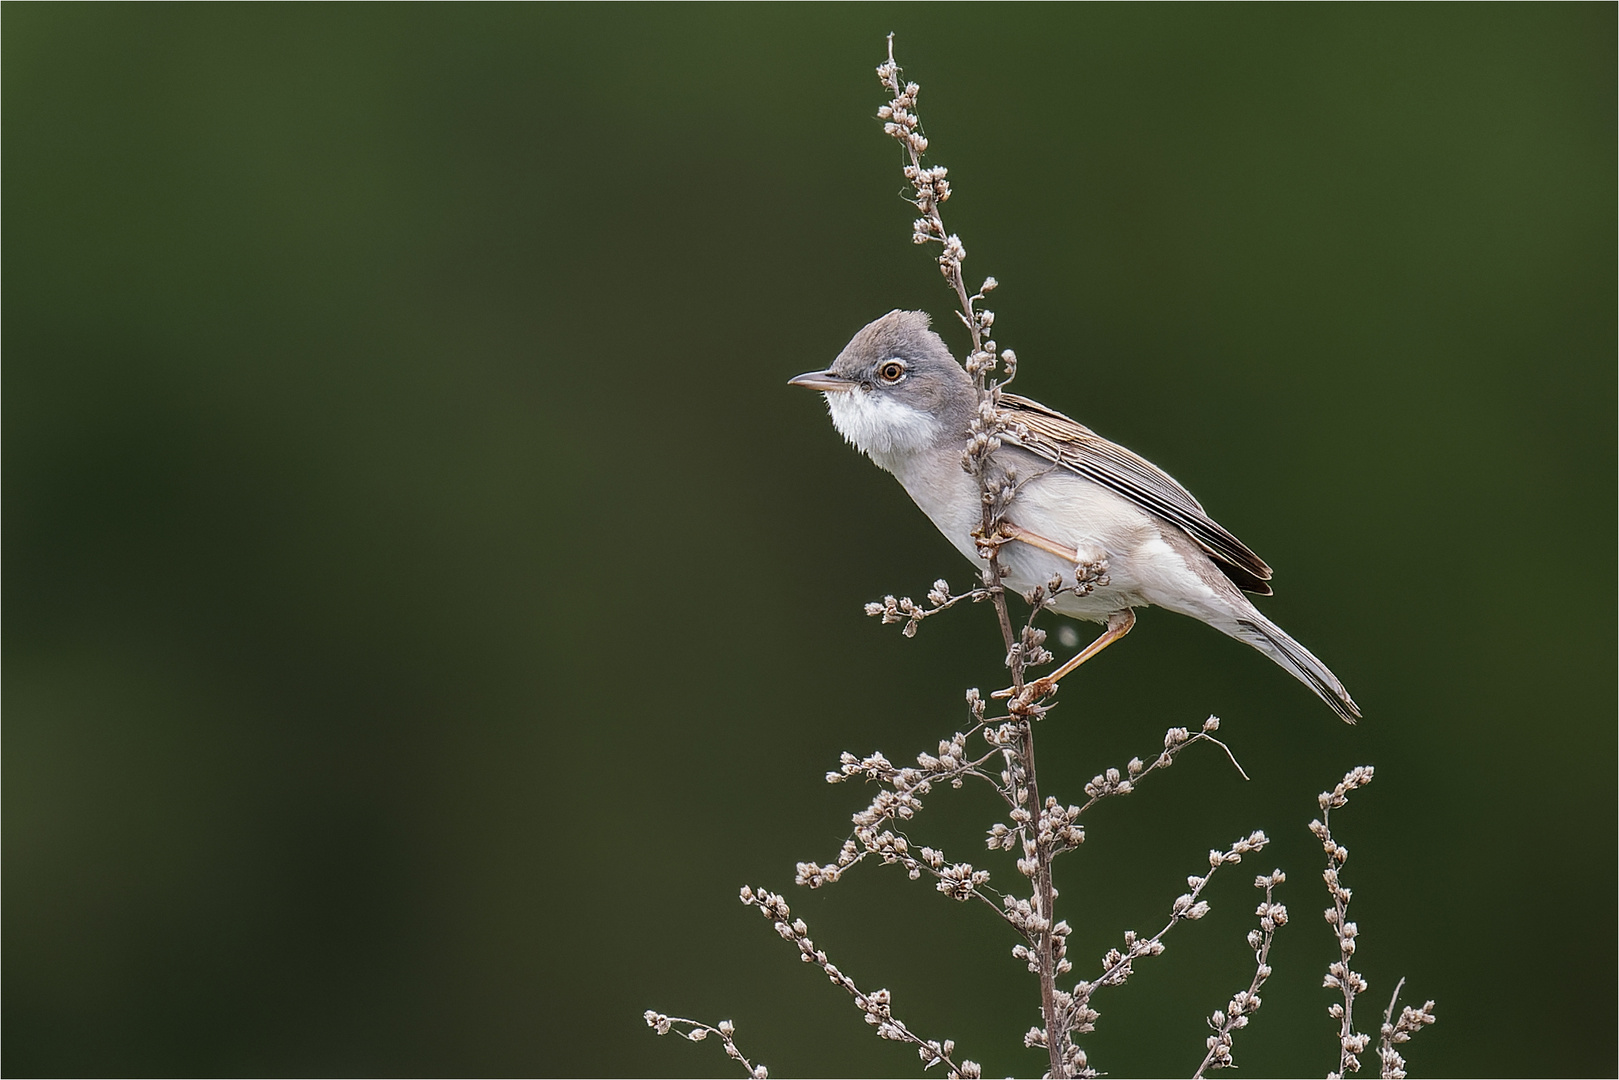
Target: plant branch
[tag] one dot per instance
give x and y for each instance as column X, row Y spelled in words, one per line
column 931, row 190
column 1340, row 976
column 697, row 1031
column 1394, row 1031
column 876, row 1005
column 1117, row 966
column 1245, row 1003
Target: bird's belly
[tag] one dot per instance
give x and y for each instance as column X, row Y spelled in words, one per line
column 1063, row 508
column 1027, row 567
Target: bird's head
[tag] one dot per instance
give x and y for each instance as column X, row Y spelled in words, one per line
column 895, row 389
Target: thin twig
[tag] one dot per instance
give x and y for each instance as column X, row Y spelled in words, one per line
column 1394, row 1031
column 1111, row 782
column 876, row 1005
column 1117, row 966
column 1340, row 975
column 1245, row 1003
column 697, row 1031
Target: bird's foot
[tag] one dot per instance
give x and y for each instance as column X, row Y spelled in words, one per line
column 1022, row 702
column 1041, row 687
column 988, row 544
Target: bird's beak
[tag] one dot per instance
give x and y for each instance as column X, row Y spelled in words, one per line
column 829, row 381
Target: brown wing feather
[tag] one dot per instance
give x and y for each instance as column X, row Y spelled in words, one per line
column 1074, row 446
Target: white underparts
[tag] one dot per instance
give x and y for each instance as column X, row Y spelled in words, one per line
column 879, row 426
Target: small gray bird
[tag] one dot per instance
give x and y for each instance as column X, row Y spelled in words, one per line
column 897, row 394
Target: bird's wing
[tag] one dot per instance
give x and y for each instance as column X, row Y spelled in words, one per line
column 1076, row 447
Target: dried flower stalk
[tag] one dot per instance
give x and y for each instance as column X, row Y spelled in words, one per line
column 1340, row 976
column 876, row 1005
column 990, row 373
column 1398, row 1031
column 697, row 1031
column 1244, row 1003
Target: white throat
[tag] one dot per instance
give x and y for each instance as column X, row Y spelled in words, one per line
column 880, row 427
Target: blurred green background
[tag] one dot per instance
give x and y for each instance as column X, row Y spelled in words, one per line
column 426, row 604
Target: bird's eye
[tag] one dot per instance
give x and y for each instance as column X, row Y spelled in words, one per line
column 892, row 371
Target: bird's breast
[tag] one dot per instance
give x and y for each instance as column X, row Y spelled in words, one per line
column 943, row 491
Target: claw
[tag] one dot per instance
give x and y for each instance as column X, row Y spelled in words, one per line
column 1041, row 687
column 1031, row 692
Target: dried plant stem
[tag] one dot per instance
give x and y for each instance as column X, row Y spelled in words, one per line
column 931, row 190
column 876, row 1005
column 1340, row 975
column 1388, row 1013
column 1042, row 929
column 1044, row 949
column 1398, row 1031
column 1117, row 966
column 1245, row 1003
column 697, row 1031
column 915, row 143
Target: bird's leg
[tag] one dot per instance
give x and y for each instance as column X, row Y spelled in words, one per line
column 1018, row 532
column 1090, row 571
column 1118, row 625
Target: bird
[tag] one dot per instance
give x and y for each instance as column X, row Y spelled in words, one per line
column 898, row 395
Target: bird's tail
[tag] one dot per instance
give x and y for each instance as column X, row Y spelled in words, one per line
column 1273, row 641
